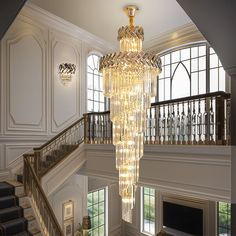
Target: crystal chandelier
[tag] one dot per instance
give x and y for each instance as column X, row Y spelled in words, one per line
column 130, row 80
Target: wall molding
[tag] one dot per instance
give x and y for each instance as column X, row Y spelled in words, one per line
column 56, row 39
column 13, row 37
column 198, row 171
column 185, row 34
column 49, row 19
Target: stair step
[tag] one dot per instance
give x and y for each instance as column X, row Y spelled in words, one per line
column 14, row 183
column 10, row 213
column 8, row 201
column 34, row 231
column 15, row 226
column 29, row 217
column 6, row 189
column 22, row 199
column 24, row 233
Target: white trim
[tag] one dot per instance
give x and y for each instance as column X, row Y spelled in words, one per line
column 106, row 210
column 181, row 35
column 44, row 17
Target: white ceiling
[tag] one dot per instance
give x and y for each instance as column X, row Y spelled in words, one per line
column 103, row 17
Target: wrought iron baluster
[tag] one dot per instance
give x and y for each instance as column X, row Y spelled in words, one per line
column 168, row 125
column 164, row 126
column 178, row 125
column 173, row 124
column 156, row 120
column 194, row 124
column 189, row 119
column 199, row 123
column 206, row 122
column 212, row 123
column 183, row 125
column 159, row 125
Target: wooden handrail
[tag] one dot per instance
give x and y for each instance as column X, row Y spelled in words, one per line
column 58, row 135
column 33, row 187
column 195, row 97
column 97, row 113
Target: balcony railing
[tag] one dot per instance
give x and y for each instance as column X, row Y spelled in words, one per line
column 202, row 119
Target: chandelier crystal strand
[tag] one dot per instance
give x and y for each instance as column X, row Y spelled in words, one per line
column 130, row 80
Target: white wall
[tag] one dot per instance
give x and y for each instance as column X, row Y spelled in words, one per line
column 34, row 104
column 208, row 207
column 74, row 189
column 114, row 203
column 198, row 171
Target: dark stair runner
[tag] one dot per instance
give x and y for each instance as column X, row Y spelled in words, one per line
column 12, row 221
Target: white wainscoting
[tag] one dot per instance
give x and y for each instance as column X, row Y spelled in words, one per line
column 34, row 104
column 65, row 99
column 198, row 171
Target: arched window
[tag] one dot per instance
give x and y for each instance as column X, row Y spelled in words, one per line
column 190, row 70
column 95, row 98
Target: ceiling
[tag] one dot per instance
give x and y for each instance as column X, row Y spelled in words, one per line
column 103, row 17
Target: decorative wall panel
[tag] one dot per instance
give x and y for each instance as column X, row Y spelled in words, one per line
column 25, row 81
column 65, row 99
column 14, row 152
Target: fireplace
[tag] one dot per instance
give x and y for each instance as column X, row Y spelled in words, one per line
column 187, row 216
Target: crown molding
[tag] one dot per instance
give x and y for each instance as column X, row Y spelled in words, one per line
column 50, row 20
column 231, row 70
column 185, row 34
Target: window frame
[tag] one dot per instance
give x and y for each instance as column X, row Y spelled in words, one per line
column 105, row 213
column 207, row 69
column 228, row 213
column 93, row 90
column 142, row 230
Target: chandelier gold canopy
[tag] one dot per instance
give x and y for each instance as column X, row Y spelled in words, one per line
column 130, row 80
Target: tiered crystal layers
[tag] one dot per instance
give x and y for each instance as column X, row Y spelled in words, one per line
column 130, row 80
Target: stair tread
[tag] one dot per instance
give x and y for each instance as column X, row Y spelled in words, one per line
column 20, row 195
column 29, row 217
column 14, row 183
column 6, row 189
column 34, row 231
column 24, row 233
column 4, row 185
column 7, row 197
column 14, row 221
column 25, row 205
column 13, row 208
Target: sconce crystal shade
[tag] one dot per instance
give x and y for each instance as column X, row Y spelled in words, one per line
column 66, row 70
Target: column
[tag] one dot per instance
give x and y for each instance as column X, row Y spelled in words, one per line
column 233, row 152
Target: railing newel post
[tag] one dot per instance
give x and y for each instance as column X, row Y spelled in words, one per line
column 220, row 111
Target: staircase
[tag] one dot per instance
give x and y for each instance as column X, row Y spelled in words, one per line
column 16, row 215
column 96, row 128
column 56, row 156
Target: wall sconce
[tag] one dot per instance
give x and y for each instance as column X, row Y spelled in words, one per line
column 66, row 70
